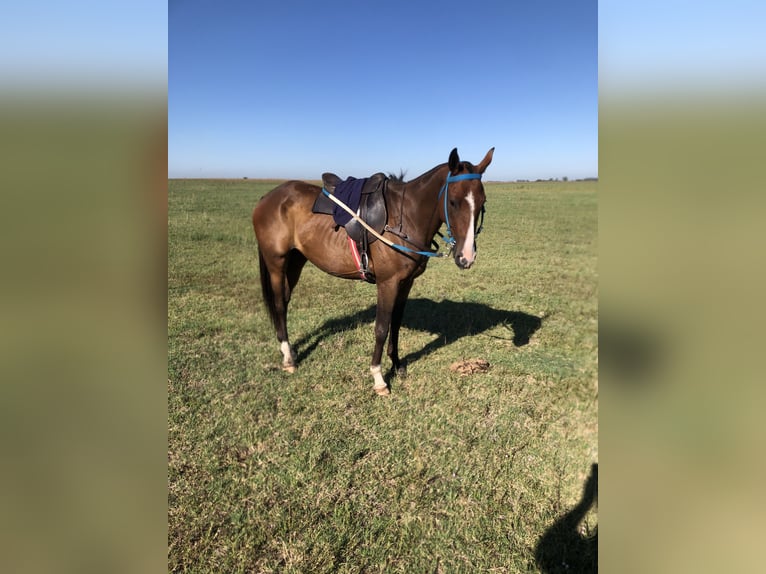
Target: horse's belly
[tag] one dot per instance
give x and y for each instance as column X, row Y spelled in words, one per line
column 327, row 248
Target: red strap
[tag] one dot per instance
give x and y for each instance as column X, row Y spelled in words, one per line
column 355, row 255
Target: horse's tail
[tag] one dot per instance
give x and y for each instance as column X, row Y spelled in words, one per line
column 266, row 289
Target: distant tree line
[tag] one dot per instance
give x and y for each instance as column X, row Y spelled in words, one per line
column 565, row 178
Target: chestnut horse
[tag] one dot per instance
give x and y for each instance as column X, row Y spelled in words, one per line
column 289, row 234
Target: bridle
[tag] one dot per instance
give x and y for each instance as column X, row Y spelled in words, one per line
column 449, row 240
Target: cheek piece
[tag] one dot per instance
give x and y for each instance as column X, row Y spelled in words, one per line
column 449, row 239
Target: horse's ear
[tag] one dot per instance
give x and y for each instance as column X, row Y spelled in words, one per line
column 486, row 161
column 454, row 162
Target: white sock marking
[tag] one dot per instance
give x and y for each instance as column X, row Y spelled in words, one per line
column 287, row 353
column 377, row 376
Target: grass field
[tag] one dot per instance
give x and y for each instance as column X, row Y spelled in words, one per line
column 313, row 472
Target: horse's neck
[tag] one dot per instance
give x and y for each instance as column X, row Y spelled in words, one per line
column 418, row 204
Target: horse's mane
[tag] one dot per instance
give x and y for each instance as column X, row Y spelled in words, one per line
column 464, row 166
column 400, row 178
column 397, row 178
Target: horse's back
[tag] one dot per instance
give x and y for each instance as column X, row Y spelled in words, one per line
column 283, row 219
column 288, row 193
column 284, row 205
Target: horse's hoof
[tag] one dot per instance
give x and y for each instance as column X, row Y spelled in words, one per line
column 382, row 391
column 288, row 368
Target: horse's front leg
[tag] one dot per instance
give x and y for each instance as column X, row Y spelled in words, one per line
column 387, row 293
column 396, row 322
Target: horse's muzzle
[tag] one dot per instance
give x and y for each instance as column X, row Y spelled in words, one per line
column 464, row 263
column 466, row 256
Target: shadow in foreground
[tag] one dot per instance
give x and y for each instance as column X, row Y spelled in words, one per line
column 562, row 548
column 631, row 353
column 450, row 320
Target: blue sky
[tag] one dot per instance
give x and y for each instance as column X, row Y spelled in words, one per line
column 671, row 46
column 83, row 45
column 293, row 88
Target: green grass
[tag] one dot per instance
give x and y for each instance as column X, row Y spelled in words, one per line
column 313, row 472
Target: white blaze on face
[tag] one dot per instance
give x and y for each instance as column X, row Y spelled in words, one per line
column 468, row 253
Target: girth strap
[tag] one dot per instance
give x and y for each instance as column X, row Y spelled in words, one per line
column 361, row 260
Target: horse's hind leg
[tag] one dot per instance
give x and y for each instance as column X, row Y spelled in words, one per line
column 295, row 262
column 279, row 275
column 294, row 265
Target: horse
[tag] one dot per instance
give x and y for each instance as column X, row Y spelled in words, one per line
column 289, row 233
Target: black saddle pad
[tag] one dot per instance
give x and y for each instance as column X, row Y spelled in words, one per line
column 350, row 193
column 363, row 196
column 323, row 205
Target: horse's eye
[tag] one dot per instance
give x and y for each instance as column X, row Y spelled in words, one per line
column 453, row 203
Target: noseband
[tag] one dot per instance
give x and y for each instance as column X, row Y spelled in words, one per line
column 450, row 240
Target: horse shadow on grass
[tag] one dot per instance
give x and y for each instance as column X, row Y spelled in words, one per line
column 563, row 549
column 449, row 320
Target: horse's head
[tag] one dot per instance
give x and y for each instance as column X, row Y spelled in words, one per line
column 463, row 204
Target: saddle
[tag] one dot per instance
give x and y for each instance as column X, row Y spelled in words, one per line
column 372, row 210
column 372, row 206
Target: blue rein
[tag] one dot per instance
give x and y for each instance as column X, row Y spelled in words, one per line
column 450, row 240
